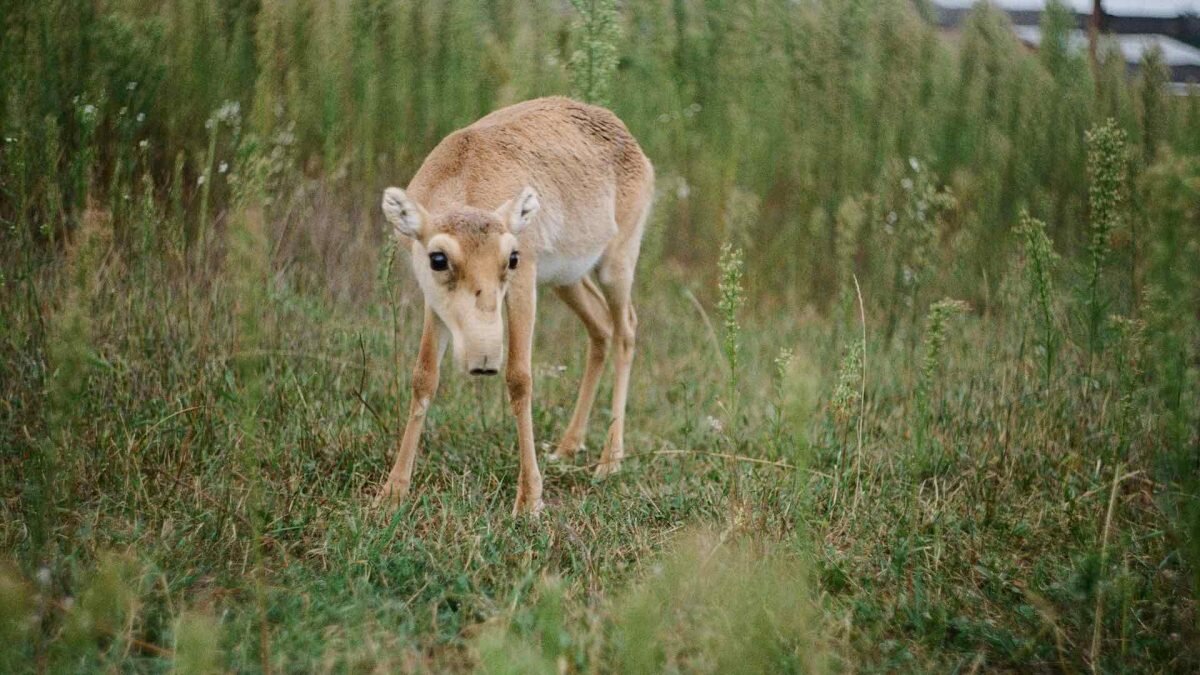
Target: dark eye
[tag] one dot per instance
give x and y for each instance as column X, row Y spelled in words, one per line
column 513, row 259
column 438, row 262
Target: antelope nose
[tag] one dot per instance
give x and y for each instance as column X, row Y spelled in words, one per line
column 483, row 367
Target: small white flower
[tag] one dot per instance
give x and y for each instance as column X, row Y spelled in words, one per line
column 222, row 167
column 912, row 161
column 141, row 117
column 200, row 180
column 907, row 184
column 714, row 424
column 131, row 86
column 143, row 144
column 683, row 189
column 892, row 218
column 230, row 111
column 43, row 576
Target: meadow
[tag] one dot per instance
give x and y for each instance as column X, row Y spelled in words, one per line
column 917, row 376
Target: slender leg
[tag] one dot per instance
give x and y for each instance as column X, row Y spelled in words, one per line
column 587, row 302
column 617, row 288
column 522, row 305
column 424, row 386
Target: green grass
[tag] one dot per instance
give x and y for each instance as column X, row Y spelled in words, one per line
column 980, row 544
column 934, row 409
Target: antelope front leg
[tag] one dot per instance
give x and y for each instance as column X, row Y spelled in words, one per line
column 522, row 304
column 424, row 386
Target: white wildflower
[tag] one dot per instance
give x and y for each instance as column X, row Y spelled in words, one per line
column 230, row 112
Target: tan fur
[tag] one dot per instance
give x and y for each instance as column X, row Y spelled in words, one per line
column 570, row 181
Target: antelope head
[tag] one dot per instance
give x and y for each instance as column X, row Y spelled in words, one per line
column 464, row 260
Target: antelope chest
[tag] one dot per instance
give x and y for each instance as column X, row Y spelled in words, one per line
column 557, row 269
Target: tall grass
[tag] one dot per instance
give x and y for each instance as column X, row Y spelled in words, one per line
column 803, row 106
column 1040, row 262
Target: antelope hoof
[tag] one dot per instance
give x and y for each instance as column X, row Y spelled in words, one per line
column 614, row 451
column 607, row 468
column 565, row 451
column 391, row 494
column 529, row 506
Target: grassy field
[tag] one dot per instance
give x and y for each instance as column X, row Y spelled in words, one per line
column 917, row 376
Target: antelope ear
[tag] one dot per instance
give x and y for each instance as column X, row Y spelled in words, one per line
column 516, row 213
column 406, row 216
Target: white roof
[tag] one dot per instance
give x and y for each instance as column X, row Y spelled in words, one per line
column 1133, row 46
column 1151, row 8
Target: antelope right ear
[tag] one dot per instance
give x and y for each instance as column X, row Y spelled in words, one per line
column 517, row 212
column 406, row 216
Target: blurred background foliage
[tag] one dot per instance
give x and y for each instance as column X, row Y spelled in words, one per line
column 765, row 119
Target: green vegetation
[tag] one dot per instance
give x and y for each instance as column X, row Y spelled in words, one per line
column 918, row 371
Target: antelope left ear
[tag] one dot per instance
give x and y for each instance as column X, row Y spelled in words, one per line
column 406, row 216
column 516, row 213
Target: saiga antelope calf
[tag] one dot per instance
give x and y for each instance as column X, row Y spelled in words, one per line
column 542, row 192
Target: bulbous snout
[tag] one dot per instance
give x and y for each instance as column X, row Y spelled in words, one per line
column 484, row 362
column 483, row 346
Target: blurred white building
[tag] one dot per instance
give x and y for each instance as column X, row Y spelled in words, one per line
column 1133, row 26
